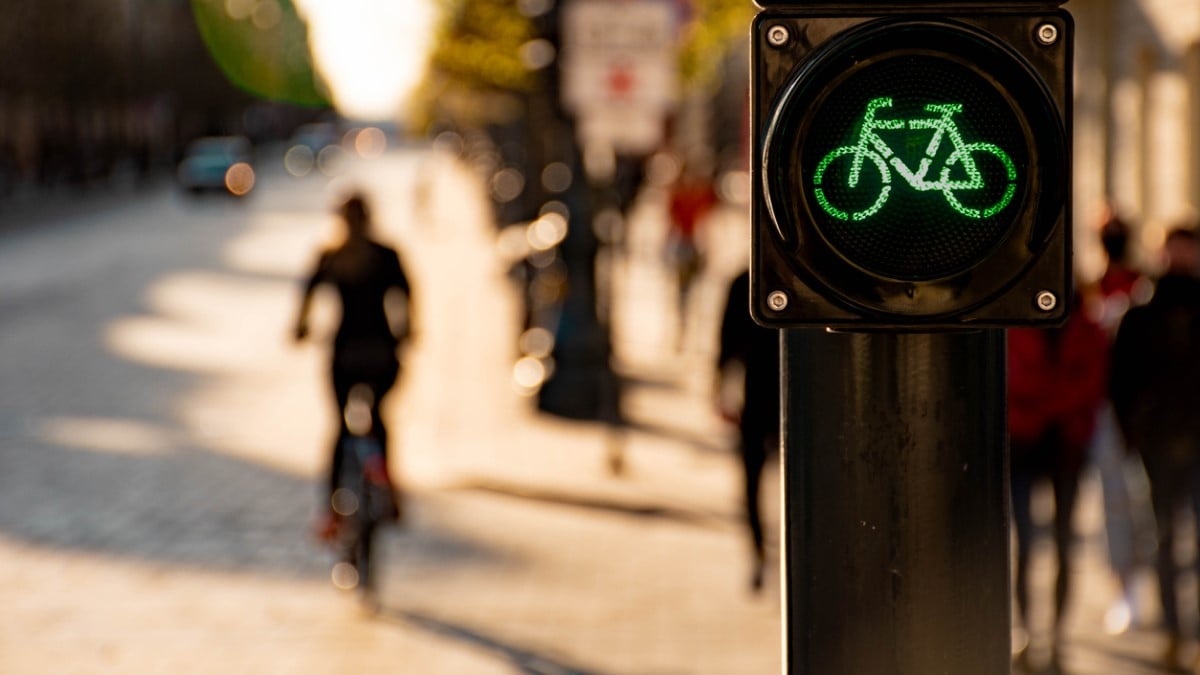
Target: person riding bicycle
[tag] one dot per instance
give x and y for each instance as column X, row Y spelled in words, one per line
column 370, row 279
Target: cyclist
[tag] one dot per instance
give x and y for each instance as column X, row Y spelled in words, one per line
column 370, row 279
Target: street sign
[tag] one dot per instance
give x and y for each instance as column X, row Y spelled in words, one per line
column 619, row 70
column 911, row 170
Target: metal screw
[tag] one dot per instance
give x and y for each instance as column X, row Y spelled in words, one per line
column 1047, row 34
column 778, row 36
column 1046, row 301
column 777, row 301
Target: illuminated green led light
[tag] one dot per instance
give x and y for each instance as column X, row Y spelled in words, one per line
column 963, row 156
column 855, row 174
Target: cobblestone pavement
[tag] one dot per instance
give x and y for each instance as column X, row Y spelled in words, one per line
column 161, row 443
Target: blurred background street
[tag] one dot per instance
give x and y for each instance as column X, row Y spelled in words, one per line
column 567, row 184
column 163, row 437
column 163, row 440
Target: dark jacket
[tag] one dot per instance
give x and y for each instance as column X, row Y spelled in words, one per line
column 1155, row 377
column 363, row 279
column 757, row 348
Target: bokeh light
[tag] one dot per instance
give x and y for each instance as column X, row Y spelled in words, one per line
column 345, row 576
column 266, row 15
column 537, row 342
column 239, row 10
column 734, row 187
column 299, row 160
column 239, row 179
column 507, row 184
column 537, row 54
column 329, row 160
column 557, row 177
column 529, row 373
column 547, row 231
column 370, row 143
column 344, row 502
column 662, row 169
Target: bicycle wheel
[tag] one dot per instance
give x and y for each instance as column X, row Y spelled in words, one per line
column 347, row 503
column 363, row 558
column 378, row 507
column 994, row 162
column 852, row 189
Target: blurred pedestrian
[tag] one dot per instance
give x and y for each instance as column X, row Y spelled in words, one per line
column 1057, row 381
column 1126, row 516
column 692, row 198
column 1155, row 390
column 748, row 395
column 376, row 306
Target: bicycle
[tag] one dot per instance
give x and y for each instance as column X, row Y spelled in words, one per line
column 364, row 499
column 871, row 146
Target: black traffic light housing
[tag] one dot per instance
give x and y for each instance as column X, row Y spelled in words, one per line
column 911, row 164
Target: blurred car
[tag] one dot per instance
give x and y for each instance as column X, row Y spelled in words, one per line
column 218, row 163
column 315, row 136
column 314, row 145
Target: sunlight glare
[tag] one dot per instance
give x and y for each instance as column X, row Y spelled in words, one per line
column 372, row 53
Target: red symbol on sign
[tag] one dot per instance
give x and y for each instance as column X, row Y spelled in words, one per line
column 620, row 81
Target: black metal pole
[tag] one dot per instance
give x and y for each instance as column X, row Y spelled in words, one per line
column 896, row 549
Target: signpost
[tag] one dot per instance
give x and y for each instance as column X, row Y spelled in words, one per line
column 616, row 82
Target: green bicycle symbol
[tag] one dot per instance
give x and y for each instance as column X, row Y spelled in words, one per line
column 871, row 146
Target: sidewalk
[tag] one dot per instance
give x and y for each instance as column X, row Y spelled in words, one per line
column 172, row 538
column 643, row 573
column 686, row 476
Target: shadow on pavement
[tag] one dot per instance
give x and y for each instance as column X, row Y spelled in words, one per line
column 96, row 453
column 611, row 505
column 631, row 377
column 637, row 420
column 1114, row 653
column 526, row 661
column 186, row 506
column 699, row 443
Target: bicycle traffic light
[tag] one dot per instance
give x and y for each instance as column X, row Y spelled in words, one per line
column 911, row 168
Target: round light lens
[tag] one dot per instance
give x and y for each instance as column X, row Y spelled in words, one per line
column 914, row 167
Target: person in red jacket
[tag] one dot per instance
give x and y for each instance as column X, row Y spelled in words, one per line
column 691, row 200
column 1057, row 380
